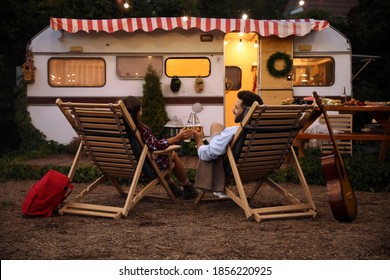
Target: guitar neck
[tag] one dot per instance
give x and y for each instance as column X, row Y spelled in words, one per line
column 327, row 121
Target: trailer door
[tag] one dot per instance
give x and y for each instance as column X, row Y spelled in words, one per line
column 241, row 59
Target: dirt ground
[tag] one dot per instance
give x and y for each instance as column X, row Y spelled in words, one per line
column 218, row 230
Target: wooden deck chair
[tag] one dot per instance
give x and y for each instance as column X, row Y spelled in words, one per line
column 257, row 150
column 110, row 138
column 341, row 123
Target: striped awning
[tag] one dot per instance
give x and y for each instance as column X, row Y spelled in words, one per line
column 280, row 28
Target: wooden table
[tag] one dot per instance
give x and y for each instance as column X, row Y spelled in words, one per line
column 379, row 113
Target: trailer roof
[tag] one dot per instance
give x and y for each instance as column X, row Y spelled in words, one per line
column 280, row 28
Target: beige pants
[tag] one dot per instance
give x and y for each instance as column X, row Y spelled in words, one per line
column 210, row 175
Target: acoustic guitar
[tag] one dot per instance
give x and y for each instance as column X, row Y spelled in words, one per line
column 342, row 199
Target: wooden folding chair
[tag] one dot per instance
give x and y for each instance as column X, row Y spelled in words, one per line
column 341, row 123
column 110, row 138
column 258, row 149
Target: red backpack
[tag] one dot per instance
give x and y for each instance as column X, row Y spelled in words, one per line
column 46, row 195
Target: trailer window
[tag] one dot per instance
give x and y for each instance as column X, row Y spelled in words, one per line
column 233, row 75
column 187, row 66
column 135, row 67
column 314, row 71
column 77, row 72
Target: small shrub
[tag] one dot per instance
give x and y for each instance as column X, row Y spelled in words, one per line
column 365, row 173
column 153, row 104
column 189, row 148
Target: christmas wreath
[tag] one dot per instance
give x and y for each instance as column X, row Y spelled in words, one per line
column 288, row 63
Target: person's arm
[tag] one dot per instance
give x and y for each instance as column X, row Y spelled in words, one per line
column 183, row 134
column 151, row 141
column 218, row 145
column 198, row 136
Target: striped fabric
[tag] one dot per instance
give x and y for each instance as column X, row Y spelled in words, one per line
column 280, row 28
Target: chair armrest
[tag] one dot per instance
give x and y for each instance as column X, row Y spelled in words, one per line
column 167, row 151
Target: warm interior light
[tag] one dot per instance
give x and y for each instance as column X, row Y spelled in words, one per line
column 240, row 44
column 256, row 45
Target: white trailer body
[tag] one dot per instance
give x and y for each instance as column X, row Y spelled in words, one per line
column 173, row 39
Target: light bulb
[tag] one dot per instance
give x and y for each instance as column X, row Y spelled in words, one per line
column 256, row 45
column 126, row 5
column 301, row 3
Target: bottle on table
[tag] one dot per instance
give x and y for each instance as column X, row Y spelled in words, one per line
column 343, row 97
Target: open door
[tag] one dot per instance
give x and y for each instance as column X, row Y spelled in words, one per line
column 241, row 59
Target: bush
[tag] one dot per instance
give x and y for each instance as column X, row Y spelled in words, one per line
column 367, row 174
column 364, row 171
column 153, row 106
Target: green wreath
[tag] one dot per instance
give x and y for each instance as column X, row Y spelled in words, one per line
column 288, row 64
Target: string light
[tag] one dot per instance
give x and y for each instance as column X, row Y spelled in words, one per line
column 126, row 5
column 301, row 3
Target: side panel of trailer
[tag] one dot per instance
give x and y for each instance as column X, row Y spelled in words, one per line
column 111, row 45
column 331, row 44
column 52, row 44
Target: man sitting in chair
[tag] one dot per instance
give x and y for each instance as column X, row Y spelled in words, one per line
column 210, row 156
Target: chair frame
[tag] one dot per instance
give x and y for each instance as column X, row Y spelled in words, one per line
column 102, row 130
column 269, row 126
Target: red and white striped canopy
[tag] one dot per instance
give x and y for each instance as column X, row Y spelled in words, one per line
column 280, row 28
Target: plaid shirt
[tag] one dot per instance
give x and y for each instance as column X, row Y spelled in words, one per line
column 155, row 144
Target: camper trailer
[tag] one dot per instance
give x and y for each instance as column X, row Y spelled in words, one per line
column 103, row 60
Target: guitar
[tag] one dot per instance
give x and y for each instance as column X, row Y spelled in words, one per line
column 342, row 199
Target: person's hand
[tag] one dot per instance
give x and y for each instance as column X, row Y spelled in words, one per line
column 198, row 135
column 185, row 133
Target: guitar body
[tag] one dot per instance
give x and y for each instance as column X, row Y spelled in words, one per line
column 342, row 199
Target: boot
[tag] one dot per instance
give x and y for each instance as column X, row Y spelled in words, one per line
column 189, row 192
column 175, row 189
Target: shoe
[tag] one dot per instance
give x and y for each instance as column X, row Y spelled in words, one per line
column 189, row 192
column 175, row 189
column 220, row 194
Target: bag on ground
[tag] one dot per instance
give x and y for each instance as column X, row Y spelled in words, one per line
column 46, row 195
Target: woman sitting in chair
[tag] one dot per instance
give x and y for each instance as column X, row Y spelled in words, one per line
column 134, row 106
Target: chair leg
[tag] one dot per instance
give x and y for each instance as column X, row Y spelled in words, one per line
column 199, row 197
column 75, row 162
column 302, row 180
